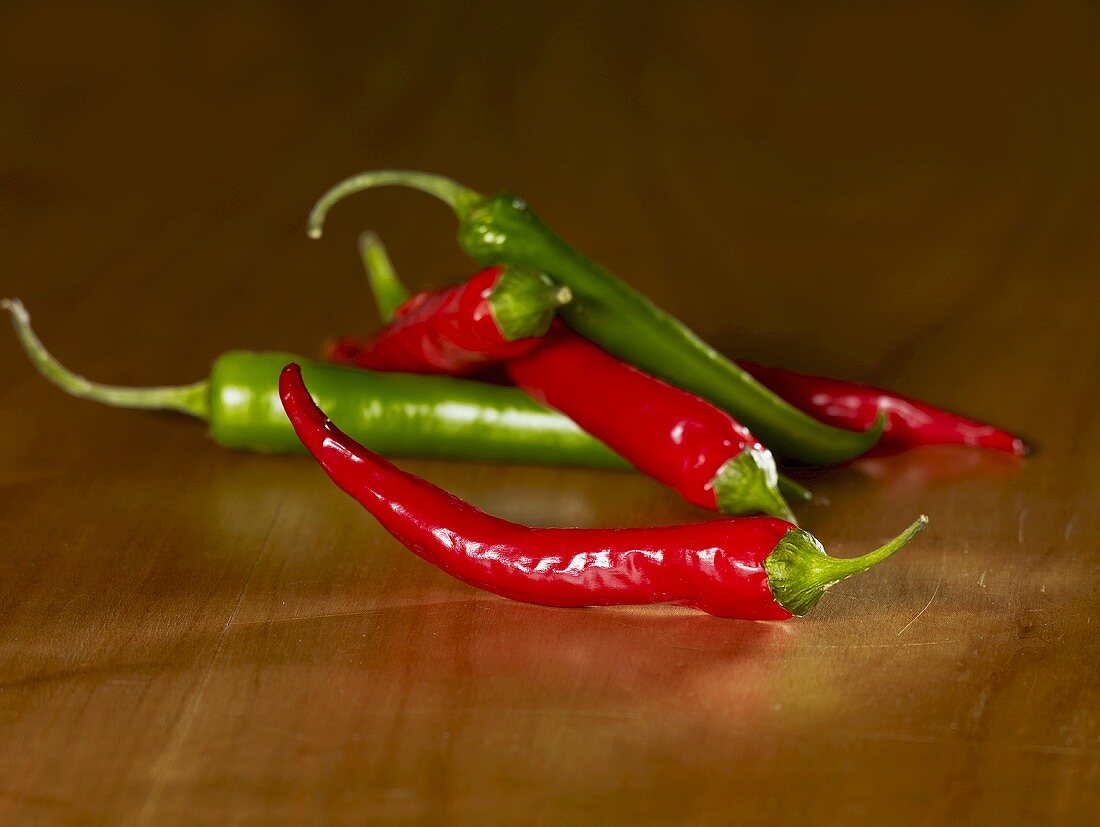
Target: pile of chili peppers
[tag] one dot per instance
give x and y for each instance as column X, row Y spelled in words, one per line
column 545, row 357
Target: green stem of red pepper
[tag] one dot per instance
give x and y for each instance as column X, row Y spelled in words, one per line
column 502, row 229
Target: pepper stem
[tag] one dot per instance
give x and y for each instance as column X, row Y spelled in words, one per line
column 389, row 292
column 748, row 484
column 799, row 571
column 524, row 302
column 455, row 195
column 188, row 399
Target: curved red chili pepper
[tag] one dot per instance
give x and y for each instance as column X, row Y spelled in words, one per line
column 500, row 313
column 669, row 434
column 909, row 422
column 753, row 568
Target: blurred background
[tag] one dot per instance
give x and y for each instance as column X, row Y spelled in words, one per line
column 785, row 154
column 900, row 194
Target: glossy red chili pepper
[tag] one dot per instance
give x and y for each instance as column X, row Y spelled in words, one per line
column 668, row 433
column 755, row 568
column 909, row 422
column 498, row 314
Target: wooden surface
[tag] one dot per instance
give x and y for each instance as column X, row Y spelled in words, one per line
column 189, row 635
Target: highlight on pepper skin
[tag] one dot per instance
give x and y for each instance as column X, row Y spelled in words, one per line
column 754, row 568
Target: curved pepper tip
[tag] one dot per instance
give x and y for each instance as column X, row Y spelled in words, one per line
column 290, row 377
column 294, row 395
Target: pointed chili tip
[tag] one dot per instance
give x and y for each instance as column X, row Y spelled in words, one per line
column 998, row 439
column 304, row 413
column 294, row 395
column 290, row 381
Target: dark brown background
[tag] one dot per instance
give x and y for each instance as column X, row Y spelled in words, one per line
column 905, row 196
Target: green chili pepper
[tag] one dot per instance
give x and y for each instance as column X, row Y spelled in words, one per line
column 501, row 229
column 396, row 413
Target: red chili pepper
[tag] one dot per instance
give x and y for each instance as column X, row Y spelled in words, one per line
column 668, row 433
column 500, row 313
column 909, row 422
column 756, row 568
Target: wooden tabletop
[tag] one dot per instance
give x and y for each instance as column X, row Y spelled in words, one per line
column 192, row 635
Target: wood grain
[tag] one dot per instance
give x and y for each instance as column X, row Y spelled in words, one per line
column 189, row 635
